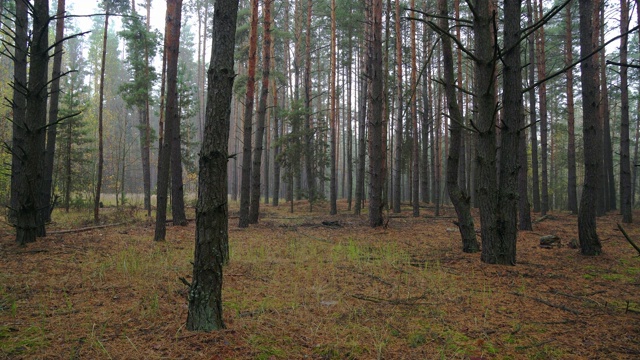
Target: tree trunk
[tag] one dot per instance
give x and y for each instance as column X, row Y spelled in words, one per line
column 53, row 108
column 542, row 93
column 609, row 181
column 245, row 189
column 212, row 247
column 415, row 154
column 349, row 134
column 146, row 127
column 625, row 165
column 397, row 152
column 376, row 177
column 512, row 124
column 254, row 210
column 308, row 151
column 96, row 202
column 334, row 115
column 276, row 149
column 172, row 45
column 485, row 124
column 19, row 108
column 588, row 237
column 458, row 197
column 532, row 114
column 362, row 120
column 571, row 148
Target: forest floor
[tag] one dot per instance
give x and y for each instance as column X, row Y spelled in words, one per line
column 296, row 288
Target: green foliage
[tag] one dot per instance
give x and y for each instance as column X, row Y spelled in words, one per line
column 73, row 157
column 136, row 91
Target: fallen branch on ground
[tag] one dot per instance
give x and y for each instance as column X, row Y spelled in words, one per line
column 84, row 229
column 629, row 239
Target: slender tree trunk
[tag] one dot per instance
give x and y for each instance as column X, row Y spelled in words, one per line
column 349, row 134
column 53, row 108
column 245, row 190
column 276, row 149
column 571, row 148
column 309, row 163
column 588, row 237
column 362, row 118
column 96, row 202
column 19, row 108
column 254, row 210
column 334, row 115
column 212, row 247
column 171, row 43
column 458, row 197
column 376, row 177
column 532, row 114
column 415, row 154
column 146, row 127
column 397, row 170
column 609, row 181
column 544, row 126
column 625, row 165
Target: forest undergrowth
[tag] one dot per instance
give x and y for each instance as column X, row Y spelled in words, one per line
column 313, row 286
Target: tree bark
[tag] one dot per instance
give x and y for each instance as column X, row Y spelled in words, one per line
column 625, row 165
column 572, row 195
column 53, row 108
column 333, row 192
column 245, row 189
column 532, row 114
column 415, row 154
column 607, row 147
column 96, row 202
column 19, row 108
column 212, row 248
column 376, row 176
column 457, row 195
column 588, row 237
column 172, row 45
column 308, row 151
column 542, row 93
column 254, row 210
column 397, row 153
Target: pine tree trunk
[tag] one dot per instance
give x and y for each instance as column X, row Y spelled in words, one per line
column 397, row 152
column 172, row 117
column 458, row 197
column 362, row 118
column 415, row 154
column 212, row 247
column 53, row 109
column 376, row 177
column 245, row 189
column 309, row 163
column 485, row 124
column 571, row 148
column 607, row 146
column 254, row 210
column 588, row 237
column 146, row 127
column 625, row 165
column 532, row 114
column 333, row 191
column 19, row 108
column 544, row 126
column 96, row 202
